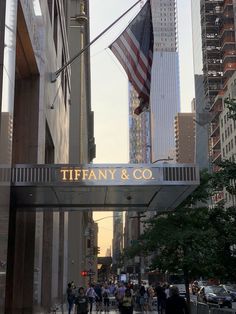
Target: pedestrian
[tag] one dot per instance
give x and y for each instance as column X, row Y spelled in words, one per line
column 176, row 304
column 70, row 297
column 161, row 299
column 81, row 302
column 91, row 294
column 119, row 294
column 106, row 300
column 150, row 298
column 143, row 300
column 98, row 298
column 127, row 303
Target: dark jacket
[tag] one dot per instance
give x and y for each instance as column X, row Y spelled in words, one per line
column 82, row 304
column 176, row 305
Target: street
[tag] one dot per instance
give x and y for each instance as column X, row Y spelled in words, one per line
column 194, row 299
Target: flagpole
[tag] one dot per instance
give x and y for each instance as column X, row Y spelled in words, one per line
column 55, row 75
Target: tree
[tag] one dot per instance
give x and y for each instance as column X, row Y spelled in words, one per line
column 197, row 240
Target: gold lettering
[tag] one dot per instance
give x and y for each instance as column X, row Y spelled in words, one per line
column 77, row 173
column 135, row 175
column 124, row 174
column 147, row 174
column 71, row 174
column 92, row 175
column 112, row 172
column 64, row 172
column 85, row 174
column 102, row 174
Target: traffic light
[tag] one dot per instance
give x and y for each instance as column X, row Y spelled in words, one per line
column 84, row 273
column 96, row 250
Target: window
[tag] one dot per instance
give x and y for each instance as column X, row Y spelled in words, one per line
column 55, row 25
column 50, row 4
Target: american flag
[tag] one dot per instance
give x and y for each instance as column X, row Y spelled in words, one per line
column 134, row 49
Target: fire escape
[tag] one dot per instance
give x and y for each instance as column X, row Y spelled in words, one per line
column 219, row 63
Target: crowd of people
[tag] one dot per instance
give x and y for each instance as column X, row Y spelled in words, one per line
column 127, row 298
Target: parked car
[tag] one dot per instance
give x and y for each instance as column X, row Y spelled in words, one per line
column 231, row 289
column 215, row 294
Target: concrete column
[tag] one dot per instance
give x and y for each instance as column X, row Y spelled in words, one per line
column 21, row 247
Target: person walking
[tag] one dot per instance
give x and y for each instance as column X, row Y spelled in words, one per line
column 70, row 297
column 91, row 294
column 176, row 304
column 127, row 303
column 143, row 300
column 81, row 302
column 161, row 299
column 98, row 298
column 106, row 300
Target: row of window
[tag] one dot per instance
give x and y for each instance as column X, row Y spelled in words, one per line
column 229, row 147
column 53, row 9
column 224, row 120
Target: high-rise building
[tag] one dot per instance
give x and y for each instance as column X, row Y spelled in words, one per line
column 35, row 257
column 152, row 133
column 82, row 146
column 185, row 137
column 227, row 136
column 202, row 118
column 117, row 243
column 219, row 56
column 165, row 91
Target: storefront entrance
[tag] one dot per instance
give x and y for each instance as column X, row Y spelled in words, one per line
column 102, row 187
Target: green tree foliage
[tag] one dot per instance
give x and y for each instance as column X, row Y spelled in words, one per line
column 225, row 177
column 231, row 105
column 197, row 240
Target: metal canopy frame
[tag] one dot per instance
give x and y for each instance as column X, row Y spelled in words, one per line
column 100, row 187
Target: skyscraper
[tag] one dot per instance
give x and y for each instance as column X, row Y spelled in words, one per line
column 202, row 116
column 185, row 137
column 219, row 55
column 165, row 93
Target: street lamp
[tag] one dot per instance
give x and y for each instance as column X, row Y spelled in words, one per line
column 139, row 216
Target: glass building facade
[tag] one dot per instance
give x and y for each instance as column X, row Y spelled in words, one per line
column 165, row 89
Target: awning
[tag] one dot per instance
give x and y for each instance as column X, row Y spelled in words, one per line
column 102, row 187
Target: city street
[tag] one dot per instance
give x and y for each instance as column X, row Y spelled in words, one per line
column 194, row 299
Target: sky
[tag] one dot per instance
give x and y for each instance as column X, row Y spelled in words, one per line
column 109, row 87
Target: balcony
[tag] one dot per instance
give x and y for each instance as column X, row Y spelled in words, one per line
column 229, row 54
column 227, row 28
column 229, row 69
column 228, row 40
column 217, row 106
column 216, row 156
column 215, row 142
column 228, row 2
column 215, row 129
column 228, row 5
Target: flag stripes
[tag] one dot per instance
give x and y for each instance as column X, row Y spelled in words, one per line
column 134, row 49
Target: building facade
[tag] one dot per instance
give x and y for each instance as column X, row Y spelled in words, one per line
column 118, row 240
column 34, row 125
column 81, row 137
column 202, row 119
column 165, row 90
column 185, row 137
column 219, row 56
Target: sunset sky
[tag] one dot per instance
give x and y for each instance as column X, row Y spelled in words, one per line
column 110, row 87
